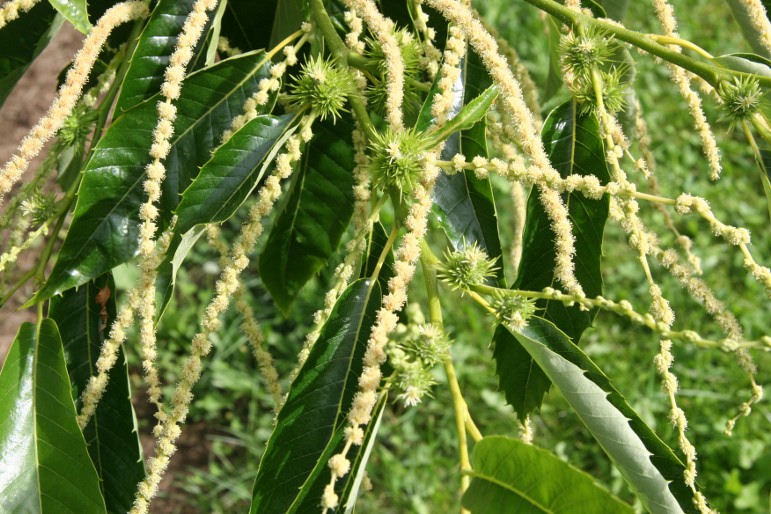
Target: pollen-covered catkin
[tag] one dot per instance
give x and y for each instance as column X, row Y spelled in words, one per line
column 69, row 93
column 249, row 324
column 11, row 9
column 513, row 101
column 155, row 174
column 666, row 16
column 756, row 13
column 383, row 30
column 168, row 429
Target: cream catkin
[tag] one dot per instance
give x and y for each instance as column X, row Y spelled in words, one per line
column 174, row 75
column 168, row 429
column 383, row 29
column 431, row 54
column 267, row 86
column 666, row 16
column 68, row 94
column 513, row 101
column 11, row 9
column 405, row 259
column 250, row 325
column 386, row 319
column 756, row 12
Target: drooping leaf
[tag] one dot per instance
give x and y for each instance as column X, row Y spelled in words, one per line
column 616, row 9
column 595, row 6
column 105, row 226
column 151, row 55
column 376, row 243
column 463, row 204
column 312, row 221
column 167, row 271
column 44, row 463
column 75, row 11
column 234, row 170
column 21, row 41
column 248, row 23
column 469, row 115
column 84, row 315
column 359, row 464
column 513, row 477
column 746, row 63
column 764, row 163
column 574, row 146
column 309, row 430
column 554, row 81
column 648, row 465
column 290, row 14
column 751, row 34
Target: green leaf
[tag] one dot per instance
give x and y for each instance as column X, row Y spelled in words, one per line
column 764, row 163
column 463, row 204
column 309, row 430
column 233, row 172
column 751, row 35
column 359, row 465
column 616, row 9
column 648, row 465
column 290, row 14
column 471, row 113
column 510, row 476
column 310, row 224
column 167, row 271
column 21, row 41
column 745, row 63
column 151, row 55
column 105, row 226
column 248, row 23
column 574, row 146
column 44, row 463
column 376, row 243
column 83, row 315
column 75, row 11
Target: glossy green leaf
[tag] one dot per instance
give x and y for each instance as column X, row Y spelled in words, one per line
column 21, row 41
column 289, row 16
column 84, row 315
column 151, row 55
column 74, row 11
column 44, row 463
column 468, row 116
column 232, row 173
column 574, row 146
column 463, row 204
column 248, row 23
column 513, row 477
column 309, row 429
column 359, row 464
column 167, row 271
column 312, row 221
column 648, row 465
column 376, row 243
column 105, row 226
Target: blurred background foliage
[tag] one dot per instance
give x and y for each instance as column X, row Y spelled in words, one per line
column 414, row 466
